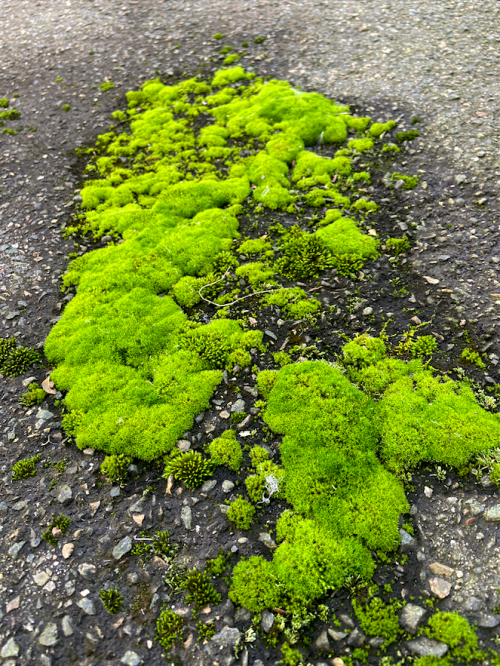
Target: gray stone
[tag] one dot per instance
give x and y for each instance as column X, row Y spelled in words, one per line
column 44, row 415
column 356, row 638
column 493, row 514
column 486, row 481
column 460, row 178
column 131, row 659
column 426, row 647
column 138, row 507
column 376, row 642
column 243, row 615
column 345, row 619
column 439, row 587
column 266, row 621
column 67, row 626
column 407, row 541
column 227, row 486
column 16, row 549
column 65, row 495
column 48, row 637
column 208, row 486
column 321, row 643
column 115, row 491
column 270, row 334
column 228, row 637
column 337, row 635
column 487, row 620
column 41, row 578
column 238, row 406
column 3, row 508
column 187, row 517
column 122, row 547
column 267, row 540
column 10, row 649
column 472, row 604
column 183, row 445
column 87, row 605
column 367, row 311
column 411, row 617
column 441, row 569
column 87, row 571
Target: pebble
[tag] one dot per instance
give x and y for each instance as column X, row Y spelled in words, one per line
column 208, row 486
column 87, row 571
column 407, row 541
column 338, row 661
column 67, row 550
column 267, row 540
column 493, row 514
column 441, row 569
column 44, row 415
column 10, row 649
column 270, row 334
column 487, row 620
column 227, row 486
column 238, row 406
column 439, row 587
column 16, row 549
column 428, row 491
column 367, row 311
column 48, row 637
column 228, row 637
column 115, row 491
column 266, row 621
column 411, row 617
column 183, row 445
column 65, row 495
column 337, row 635
column 67, row 626
column 242, row 615
column 87, row 605
column 321, row 643
column 187, row 517
column 356, row 638
column 122, row 548
column 41, row 578
column 426, row 647
column 13, row 604
column 131, row 659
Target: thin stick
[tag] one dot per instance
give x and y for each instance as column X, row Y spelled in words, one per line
column 228, row 305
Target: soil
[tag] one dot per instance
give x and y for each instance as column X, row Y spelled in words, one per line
column 40, row 178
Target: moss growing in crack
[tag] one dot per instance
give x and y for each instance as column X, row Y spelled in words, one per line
column 377, row 618
column 112, row 600
column 457, row 633
column 107, row 85
column 190, row 467
column 169, row 628
column 216, row 566
column 115, row 468
column 241, row 513
column 25, row 468
column 409, row 135
column 424, row 345
column 57, row 524
column 201, row 592
column 397, row 245
column 33, row 396
column 226, row 450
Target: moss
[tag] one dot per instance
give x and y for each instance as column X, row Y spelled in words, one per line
column 11, row 114
column 409, row 182
column 218, row 35
column 57, row 522
column 256, row 273
column 456, row 632
column 14, row 361
column 255, row 585
column 225, row 76
column 25, row 468
column 226, row 450
column 377, row 129
column 216, row 567
column 397, row 245
column 348, row 264
column 291, row 656
column 344, row 237
column 266, row 381
column 409, row 135
column 205, row 631
column 169, row 628
column 294, row 302
column 115, row 468
column 282, row 358
column 470, row 356
column 257, row 246
column 33, row 396
column 424, row 345
column 4, row 102
column 379, row 619
column 231, row 59
column 303, row 255
column 390, row 148
column 107, row 85
column 241, row 513
column 190, row 467
column 66, row 107
column 201, row 592
column 360, row 145
column 112, row 600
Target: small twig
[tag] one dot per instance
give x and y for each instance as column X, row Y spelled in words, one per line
column 227, row 305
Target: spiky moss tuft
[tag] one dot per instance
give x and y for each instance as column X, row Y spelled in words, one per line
column 397, row 245
column 424, row 345
column 169, row 628
column 379, row 619
column 112, row 600
column 190, row 467
column 115, row 468
column 201, row 592
column 14, row 360
column 303, row 255
column 470, row 356
column 226, row 450
column 33, row 396
column 25, row 468
column 241, row 513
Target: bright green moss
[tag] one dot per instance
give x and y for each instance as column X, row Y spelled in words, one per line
column 169, row 628
column 255, row 585
column 397, row 245
column 257, row 246
column 11, row 114
column 256, row 273
column 357, row 124
column 226, row 450
column 241, row 513
column 4, row 102
column 225, row 76
column 107, row 85
column 344, row 237
column 470, row 356
column 231, row 59
column 303, row 255
column 424, row 345
column 201, row 592
column 379, row 619
column 364, row 351
column 456, row 632
column 360, row 145
column 285, row 147
column 294, row 302
column 364, row 204
column 291, row 656
column 115, row 468
column 25, row 468
column 33, row 396
column 266, row 381
column 377, row 129
column 190, row 467
column 409, row 182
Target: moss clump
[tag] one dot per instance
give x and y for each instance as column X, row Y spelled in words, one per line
column 169, row 628
column 241, row 513
column 11, row 114
column 217, row 566
column 25, row 468
column 231, row 59
column 470, row 356
column 190, row 467
column 257, row 246
column 206, row 631
column 115, row 468
column 201, row 592
column 226, row 450
column 4, row 102
column 348, row 264
column 66, row 107
column 112, row 600
column 409, row 182
column 409, row 135
column 268, row 479
column 397, row 245
column 424, row 345
column 377, row 129
column 107, row 85
column 162, row 545
column 14, row 361
column 303, row 255
column 291, row 656
column 255, row 585
column 456, row 632
column 294, row 302
column 33, row 396
column 58, row 522
column 379, row 619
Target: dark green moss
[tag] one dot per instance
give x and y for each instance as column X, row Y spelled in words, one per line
column 409, row 135
column 115, row 468
column 241, row 513
column 201, row 592
column 25, row 468
column 190, row 467
column 112, row 600
column 60, row 522
column 169, row 628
